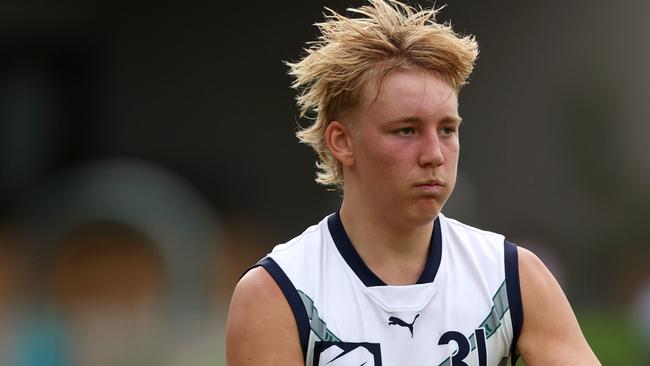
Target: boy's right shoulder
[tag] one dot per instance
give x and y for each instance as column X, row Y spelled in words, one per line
column 309, row 238
column 261, row 328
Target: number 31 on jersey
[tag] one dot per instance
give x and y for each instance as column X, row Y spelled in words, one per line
column 464, row 347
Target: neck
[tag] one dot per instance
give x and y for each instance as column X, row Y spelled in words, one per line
column 397, row 254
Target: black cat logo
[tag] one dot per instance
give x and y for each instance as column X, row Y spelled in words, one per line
column 397, row 321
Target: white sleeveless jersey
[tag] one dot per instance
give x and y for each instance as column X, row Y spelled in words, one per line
column 464, row 310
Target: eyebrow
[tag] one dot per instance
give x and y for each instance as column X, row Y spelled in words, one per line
column 415, row 119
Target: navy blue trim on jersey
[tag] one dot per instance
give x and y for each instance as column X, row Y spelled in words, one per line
column 435, row 255
column 292, row 296
column 511, row 261
column 345, row 247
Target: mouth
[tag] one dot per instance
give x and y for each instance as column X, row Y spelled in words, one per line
column 431, row 186
column 430, row 182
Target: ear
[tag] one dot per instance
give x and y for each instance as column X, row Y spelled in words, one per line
column 339, row 140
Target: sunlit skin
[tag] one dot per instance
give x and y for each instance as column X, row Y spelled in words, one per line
column 399, row 149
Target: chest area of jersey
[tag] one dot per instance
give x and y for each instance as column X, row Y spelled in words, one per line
column 350, row 328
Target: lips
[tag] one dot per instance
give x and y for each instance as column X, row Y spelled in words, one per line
column 431, row 183
column 431, row 186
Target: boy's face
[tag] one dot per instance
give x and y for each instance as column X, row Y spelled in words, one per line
column 405, row 145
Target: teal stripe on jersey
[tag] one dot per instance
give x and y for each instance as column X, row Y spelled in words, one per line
column 492, row 322
column 317, row 325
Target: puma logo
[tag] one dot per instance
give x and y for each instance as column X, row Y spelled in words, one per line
column 397, row 321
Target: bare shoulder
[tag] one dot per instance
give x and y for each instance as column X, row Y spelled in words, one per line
column 261, row 328
column 550, row 334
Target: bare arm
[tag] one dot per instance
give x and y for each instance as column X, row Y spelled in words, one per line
column 550, row 333
column 261, row 328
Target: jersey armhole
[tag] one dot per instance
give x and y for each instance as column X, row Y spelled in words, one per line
column 513, row 289
column 292, row 296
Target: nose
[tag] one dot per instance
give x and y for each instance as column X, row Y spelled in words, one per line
column 430, row 150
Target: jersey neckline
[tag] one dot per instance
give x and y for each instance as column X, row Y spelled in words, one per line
column 369, row 278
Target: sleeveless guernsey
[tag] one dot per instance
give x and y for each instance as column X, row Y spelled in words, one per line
column 464, row 310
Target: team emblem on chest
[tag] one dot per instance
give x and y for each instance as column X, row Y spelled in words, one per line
column 346, row 353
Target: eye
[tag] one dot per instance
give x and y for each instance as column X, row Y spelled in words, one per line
column 448, row 131
column 406, row 131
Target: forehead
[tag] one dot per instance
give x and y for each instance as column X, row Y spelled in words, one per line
column 409, row 92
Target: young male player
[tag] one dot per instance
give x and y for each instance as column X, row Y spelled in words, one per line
column 388, row 279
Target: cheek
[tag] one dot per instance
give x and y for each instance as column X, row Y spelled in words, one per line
column 392, row 159
column 452, row 151
column 381, row 158
column 382, row 167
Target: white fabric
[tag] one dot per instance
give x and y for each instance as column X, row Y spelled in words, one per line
column 460, row 299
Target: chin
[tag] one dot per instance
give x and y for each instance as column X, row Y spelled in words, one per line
column 425, row 215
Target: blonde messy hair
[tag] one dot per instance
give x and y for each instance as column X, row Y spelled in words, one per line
column 352, row 51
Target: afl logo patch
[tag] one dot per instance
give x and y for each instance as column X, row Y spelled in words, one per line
column 346, row 354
